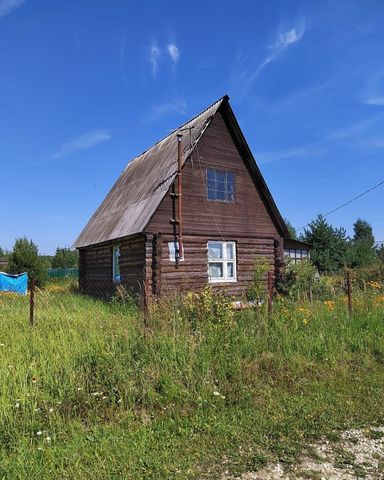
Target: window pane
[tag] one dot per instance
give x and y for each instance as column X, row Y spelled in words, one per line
column 292, row 253
column 220, row 186
column 230, row 270
column 304, row 253
column 230, row 178
column 220, row 176
column 229, row 247
column 211, row 195
column 220, row 195
column 210, row 174
column 211, row 185
column 215, row 250
column 215, row 270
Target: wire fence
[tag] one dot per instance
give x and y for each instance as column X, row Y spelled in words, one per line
column 350, row 285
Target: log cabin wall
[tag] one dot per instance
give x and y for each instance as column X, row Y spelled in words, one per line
column 95, row 267
column 246, row 221
column 248, row 215
column 192, row 272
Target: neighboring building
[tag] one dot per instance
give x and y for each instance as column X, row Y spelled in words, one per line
column 3, row 264
column 224, row 217
column 296, row 251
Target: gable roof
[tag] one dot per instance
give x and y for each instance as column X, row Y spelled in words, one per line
column 134, row 198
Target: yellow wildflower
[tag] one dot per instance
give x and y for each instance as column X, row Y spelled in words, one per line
column 329, row 304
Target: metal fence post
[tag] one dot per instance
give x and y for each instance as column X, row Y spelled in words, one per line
column 270, row 292
column 32, row 301
column 349, row 291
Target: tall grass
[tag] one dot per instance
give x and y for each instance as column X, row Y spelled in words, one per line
column 90, row 393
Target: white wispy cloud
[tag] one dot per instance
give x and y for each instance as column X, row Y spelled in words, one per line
column 7, row 6
column 173, row 52
column 82, row 142
column 284, row 41
column 305, row 151
column 375, row 101
column 356, row 130
column 178, row 106
column 373, row 91
column 154, row 54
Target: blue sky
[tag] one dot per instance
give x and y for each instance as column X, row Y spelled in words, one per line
column 85, row 86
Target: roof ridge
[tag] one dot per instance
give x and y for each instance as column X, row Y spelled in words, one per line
column 224, row 97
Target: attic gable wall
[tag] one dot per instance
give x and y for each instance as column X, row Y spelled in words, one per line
column 248, row 216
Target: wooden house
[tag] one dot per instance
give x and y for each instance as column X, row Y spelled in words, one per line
column 192, row 210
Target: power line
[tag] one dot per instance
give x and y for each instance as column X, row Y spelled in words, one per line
column 349, row 201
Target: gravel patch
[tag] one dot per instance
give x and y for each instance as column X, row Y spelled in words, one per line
column 358, row 454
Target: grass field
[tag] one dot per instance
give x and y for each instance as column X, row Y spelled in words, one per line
column 88, row 393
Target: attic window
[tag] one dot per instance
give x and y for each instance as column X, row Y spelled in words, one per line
column 220, row 185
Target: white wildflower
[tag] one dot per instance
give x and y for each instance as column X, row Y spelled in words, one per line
column 39, row 433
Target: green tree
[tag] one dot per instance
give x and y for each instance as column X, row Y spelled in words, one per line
column 330, row 245
column 291, row 229
column 25, row 258
column 380, row 253
column 65, row 258
column 362, row 251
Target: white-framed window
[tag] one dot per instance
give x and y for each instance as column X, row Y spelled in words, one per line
column 221, row 261
column 116, row 264
column 173, row 248
column 296, row 254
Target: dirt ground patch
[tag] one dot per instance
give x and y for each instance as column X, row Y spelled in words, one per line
column 358, row 454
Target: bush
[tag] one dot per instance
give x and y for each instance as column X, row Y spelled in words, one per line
column 25, row 258
column 299, row 279
column 258, row 290
column 209, row 307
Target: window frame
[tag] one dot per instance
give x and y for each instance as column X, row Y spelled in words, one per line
column 172, row 255
column 116, row 277
column 226, row 190
column 224, row 260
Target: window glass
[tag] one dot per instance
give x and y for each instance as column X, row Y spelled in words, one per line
column 215, row 250
column 230, row 270
column 229, row 247
column 221, row 261
column 220, row 185
column 172, row 248
column 116, row 264
column 215, row 270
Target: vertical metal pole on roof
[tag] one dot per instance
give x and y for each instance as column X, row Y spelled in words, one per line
column 179, row 199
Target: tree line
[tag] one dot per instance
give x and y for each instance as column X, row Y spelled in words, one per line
column 333, row 250
column 25, row 257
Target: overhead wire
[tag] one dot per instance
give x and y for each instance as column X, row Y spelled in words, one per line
column 347, row 203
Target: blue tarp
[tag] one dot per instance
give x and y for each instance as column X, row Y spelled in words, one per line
column 14, row 283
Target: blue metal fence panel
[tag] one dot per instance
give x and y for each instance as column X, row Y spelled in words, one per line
column 14, row 283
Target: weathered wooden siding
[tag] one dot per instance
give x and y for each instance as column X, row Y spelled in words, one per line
column 95, row 267
column 192, row 272
column 248, row 215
